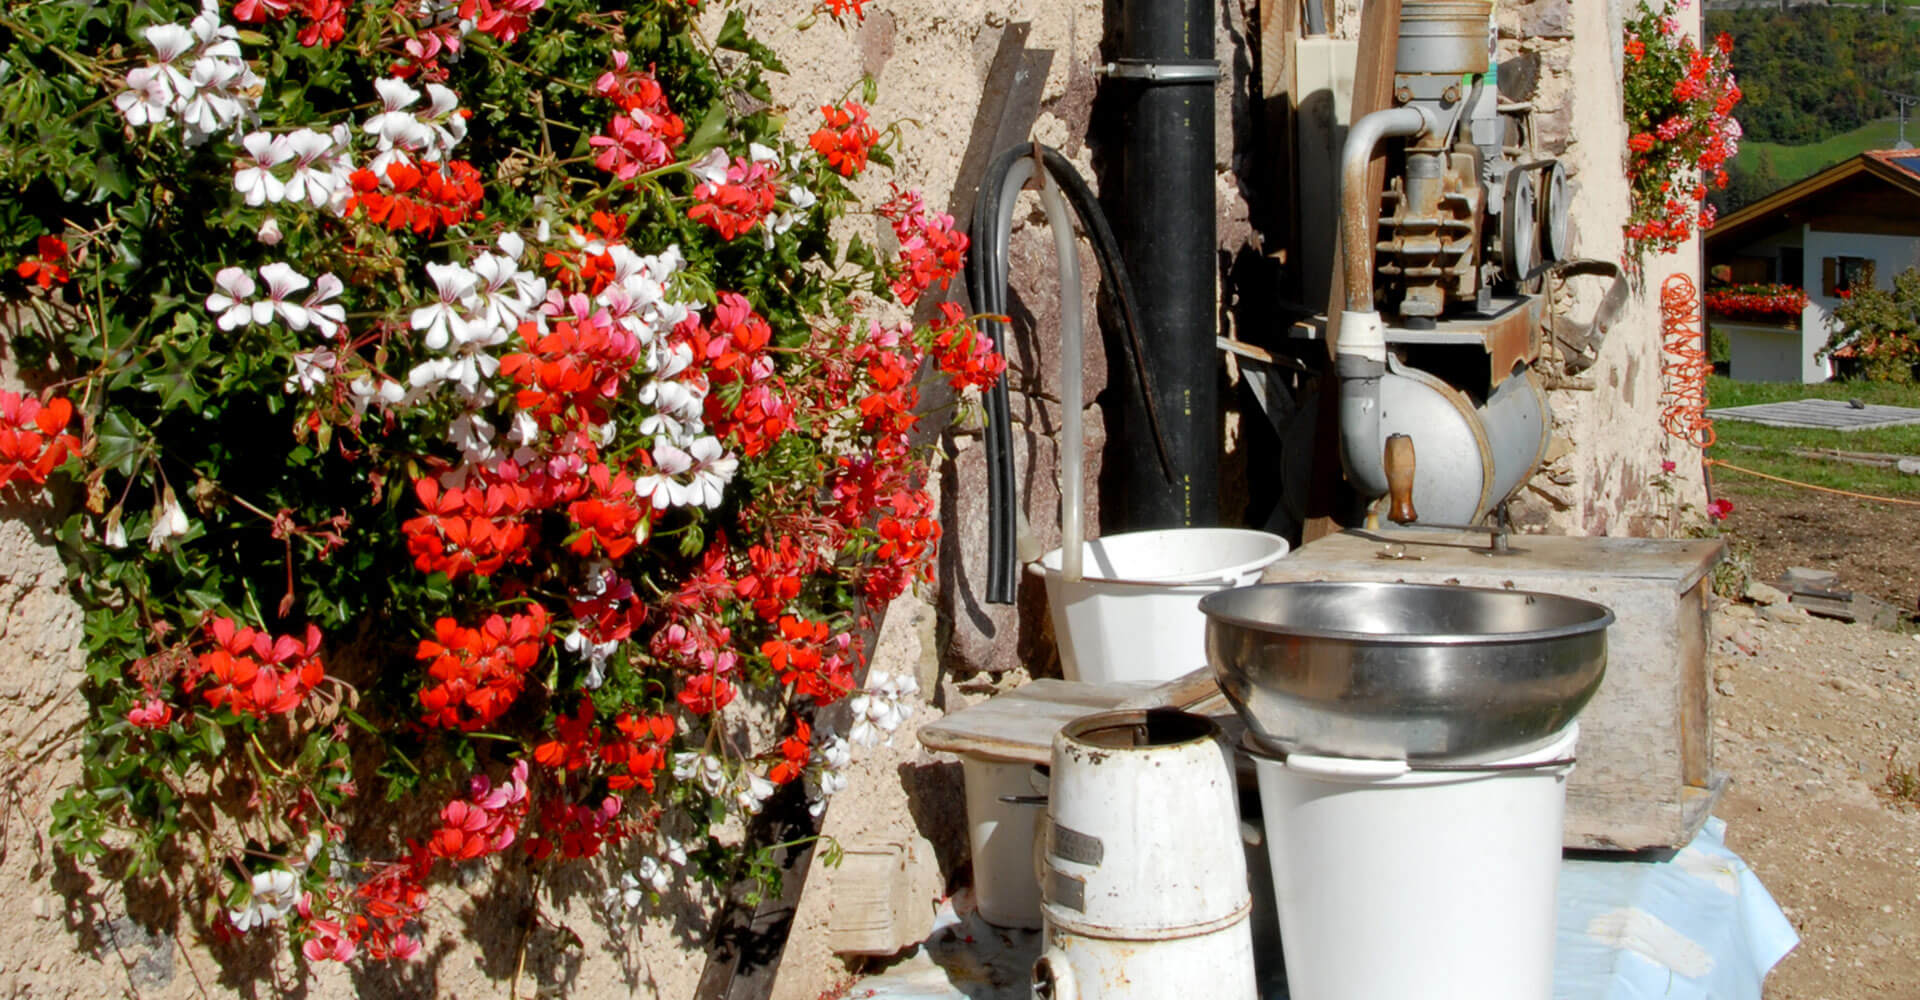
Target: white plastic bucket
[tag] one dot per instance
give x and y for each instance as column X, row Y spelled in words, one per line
column 1423, row 883
column 1001, row 835
column 1135, row 614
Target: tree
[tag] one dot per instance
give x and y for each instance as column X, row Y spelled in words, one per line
column 1747, row 185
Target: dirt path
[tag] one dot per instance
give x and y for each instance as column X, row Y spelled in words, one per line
column 1808, row 715
column 1871, row 545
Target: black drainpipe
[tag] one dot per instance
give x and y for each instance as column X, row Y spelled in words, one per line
column 1162, row 82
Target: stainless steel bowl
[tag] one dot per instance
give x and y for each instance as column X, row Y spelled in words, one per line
column 1404, row 671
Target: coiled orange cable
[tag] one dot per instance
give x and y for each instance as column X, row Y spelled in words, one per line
column 1685, row 366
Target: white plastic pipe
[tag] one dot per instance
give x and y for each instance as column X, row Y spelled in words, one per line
column 1072, row 387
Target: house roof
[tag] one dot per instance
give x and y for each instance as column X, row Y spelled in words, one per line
column 1899, row 168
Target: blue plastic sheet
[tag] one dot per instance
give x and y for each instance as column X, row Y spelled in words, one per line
column 1695, row 927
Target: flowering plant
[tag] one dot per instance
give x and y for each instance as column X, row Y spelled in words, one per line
column 1679, row 102
column 1766, row 303
column 1875, row 331
column 471, row 404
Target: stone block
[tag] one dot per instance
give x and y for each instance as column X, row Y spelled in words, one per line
column 1537, row 19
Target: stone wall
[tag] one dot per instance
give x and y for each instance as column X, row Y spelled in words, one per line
column 1607, row 477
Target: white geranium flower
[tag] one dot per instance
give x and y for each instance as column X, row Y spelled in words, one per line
column 712, row 167
column 473, row 435
column 311, row 370
column 269, row 232
column 753, row 793
column 115, row 535
column 659, row 485
column 230, row 302
column 273, row 897
column 655, row 874
column 880, row 707
column 713, row 469
column 394, row 122
column 628, row 893
column 282, row 281
column 215, row 103
column 148, row 96
column 443, row 321
column 254, row 177
column 365, row 390
column 523, row 429
column 327, row 315
column 443, row 121
column 595, row 653
column 705, row 769
column 501, row 306
column 831, row 758
column 170, row 42
column 169, row 522
column 779, row 222
column 312, row 180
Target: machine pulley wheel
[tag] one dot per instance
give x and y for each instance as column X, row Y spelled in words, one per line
column 1556, row 208
column 1519, row 226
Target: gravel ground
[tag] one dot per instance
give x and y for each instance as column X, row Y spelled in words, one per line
column 1809, row 713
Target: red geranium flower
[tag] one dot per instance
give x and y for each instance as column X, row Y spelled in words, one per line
column 49, row 267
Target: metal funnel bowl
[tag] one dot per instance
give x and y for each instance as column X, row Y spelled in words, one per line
column 1404, row 671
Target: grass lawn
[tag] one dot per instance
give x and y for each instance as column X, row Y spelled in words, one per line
column 1793, row 163
column 1764, row 449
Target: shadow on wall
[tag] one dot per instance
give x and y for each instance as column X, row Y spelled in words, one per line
column 937, row 802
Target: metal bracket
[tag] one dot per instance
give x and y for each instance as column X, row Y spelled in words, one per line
column 1162, row 71
column 1581, row 345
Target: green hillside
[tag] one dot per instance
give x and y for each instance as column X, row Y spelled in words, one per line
column 1792, row 163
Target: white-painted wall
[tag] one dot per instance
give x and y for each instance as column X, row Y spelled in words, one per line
column 1891, row 255
column 1760, row 353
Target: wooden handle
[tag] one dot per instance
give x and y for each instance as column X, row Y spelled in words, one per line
column 1399, row 463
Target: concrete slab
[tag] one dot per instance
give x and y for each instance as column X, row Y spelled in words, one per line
column 1825, row 414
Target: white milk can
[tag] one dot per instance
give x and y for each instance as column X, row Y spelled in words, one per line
column 1144, row 879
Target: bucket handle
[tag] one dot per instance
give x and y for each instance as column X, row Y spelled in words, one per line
column 1381, row 770
column 1346, row 767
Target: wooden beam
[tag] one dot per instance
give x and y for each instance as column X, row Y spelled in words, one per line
column 1279, row 28
column 1372, row 91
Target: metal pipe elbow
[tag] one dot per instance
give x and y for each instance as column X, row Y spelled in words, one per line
column 1360, row 439
column 1357, row 216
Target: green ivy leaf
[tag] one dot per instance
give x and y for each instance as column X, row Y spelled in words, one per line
column 120, row 442
column 733, row 34
column 712, row 127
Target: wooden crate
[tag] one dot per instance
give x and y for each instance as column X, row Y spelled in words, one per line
column 1645, row 777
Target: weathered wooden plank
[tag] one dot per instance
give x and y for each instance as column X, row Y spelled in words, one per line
column 1695, row 689
column 1019, row 725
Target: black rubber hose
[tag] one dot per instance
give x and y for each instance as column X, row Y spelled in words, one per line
column 988, row 292
column 987, row 287
column 1113, row 271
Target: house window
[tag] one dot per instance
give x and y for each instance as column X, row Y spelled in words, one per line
column 1793, row 264
column 1841, row 275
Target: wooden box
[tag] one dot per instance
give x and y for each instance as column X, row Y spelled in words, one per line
column 1645, row 777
